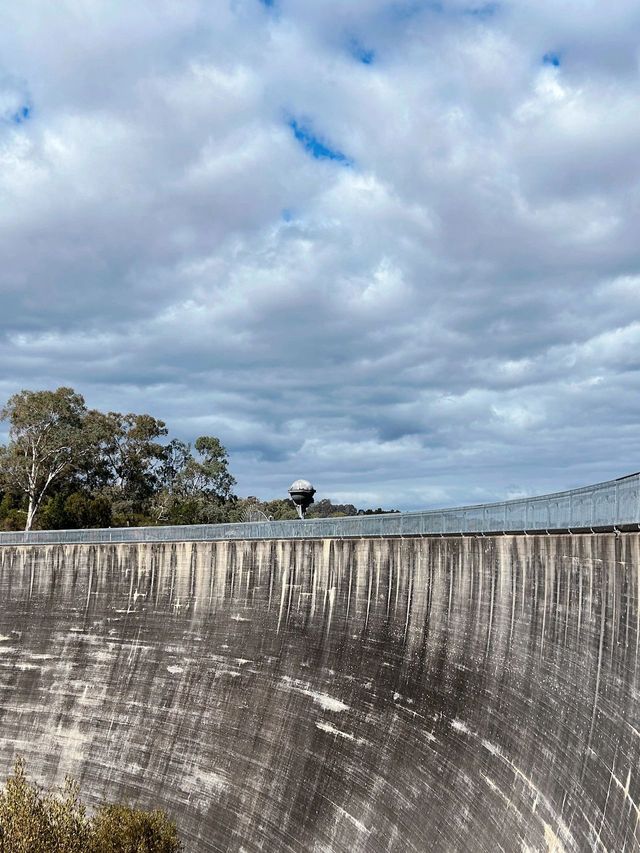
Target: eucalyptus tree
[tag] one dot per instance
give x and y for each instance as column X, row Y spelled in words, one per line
column 195, row 488
column 129, row 459
column 210, row 474
column 49, row 433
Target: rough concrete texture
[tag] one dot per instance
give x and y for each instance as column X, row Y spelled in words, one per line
column 464, row 694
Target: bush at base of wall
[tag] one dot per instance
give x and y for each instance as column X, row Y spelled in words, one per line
column 32, row 821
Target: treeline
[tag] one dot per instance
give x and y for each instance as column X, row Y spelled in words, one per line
column 252, row 509
column 326, row 509
column 67, row 466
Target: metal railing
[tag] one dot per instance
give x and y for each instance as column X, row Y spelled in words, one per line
column 614, row 504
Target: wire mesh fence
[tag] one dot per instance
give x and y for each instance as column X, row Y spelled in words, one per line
column 613, row 504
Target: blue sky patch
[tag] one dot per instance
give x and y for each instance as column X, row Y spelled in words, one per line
column 361, row 53
column 551, row 59
column 21, row 115
column 315, row 146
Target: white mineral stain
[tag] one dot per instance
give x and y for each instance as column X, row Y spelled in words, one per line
column 332, row 730
column 491, row 747
column 625, row 790
column 207, row 779
column 553, row 842
column 203, row 786
column 175, row 670
column 634, row 730
column 357, row 823
column 327, row 703
column 492, row 784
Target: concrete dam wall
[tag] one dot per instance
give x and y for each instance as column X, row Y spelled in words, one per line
column 446, row 694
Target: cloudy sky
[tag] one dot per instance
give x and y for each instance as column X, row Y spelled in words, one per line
column 392, row 247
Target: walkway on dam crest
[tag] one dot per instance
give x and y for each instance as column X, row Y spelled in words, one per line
column 612, row 505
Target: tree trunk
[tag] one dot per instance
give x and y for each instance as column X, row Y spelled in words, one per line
column 30, row 513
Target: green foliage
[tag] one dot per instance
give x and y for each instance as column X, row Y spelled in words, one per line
column 120, row 829
column 195, row 489
column 13, row 520
column 210, row 474
column 326, row 509
column 11, row 515
column 32, row 822
column 46, row 441
column 78, row 509
column 280, row 509
column 70, row 467
column 36, row 822
column 130, row 453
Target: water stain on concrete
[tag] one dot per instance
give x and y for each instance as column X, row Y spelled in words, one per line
column 462, row 694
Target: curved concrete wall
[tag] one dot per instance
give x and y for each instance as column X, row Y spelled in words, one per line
column 463, row 694
column 614, row 504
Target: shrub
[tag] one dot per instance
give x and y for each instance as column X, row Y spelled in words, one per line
column 120, row 829
column 36, row 822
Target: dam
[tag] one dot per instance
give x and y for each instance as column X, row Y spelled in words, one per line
column 463, row 680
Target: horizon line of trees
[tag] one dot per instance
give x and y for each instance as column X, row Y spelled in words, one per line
column 67, row 466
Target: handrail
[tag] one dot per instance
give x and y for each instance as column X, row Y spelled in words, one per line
column 613, row 505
